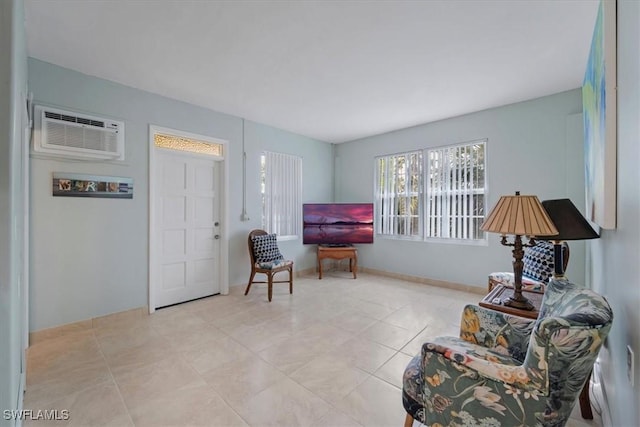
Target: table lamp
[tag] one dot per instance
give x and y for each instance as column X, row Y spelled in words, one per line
column 571, row 225
column 519, row 216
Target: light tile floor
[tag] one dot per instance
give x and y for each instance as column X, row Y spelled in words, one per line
column 332, row 354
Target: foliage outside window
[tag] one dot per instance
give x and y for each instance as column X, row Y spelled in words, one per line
column 432, row 194
column 281, row 188
column 398, row 193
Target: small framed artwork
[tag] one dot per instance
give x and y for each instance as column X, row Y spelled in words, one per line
column 81, row 185
column 599, row 109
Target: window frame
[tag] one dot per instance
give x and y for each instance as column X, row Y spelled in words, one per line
column 425, row 189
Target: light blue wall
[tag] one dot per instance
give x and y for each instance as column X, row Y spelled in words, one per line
column 13, row 84
column 616, row 256
column 317, row 182
column 89, row 257
column 533, row 146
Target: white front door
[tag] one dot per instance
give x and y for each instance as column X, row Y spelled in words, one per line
column 187, row 212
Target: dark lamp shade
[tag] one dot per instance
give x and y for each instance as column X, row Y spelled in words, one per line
column 568, row 220
column 519, row 215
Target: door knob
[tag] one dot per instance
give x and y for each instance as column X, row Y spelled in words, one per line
column 217, row 236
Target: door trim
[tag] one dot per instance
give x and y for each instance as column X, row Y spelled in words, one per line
column 224, row 206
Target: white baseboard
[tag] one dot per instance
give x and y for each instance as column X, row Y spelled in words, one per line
column 598, row 395
column 480, row 290
column 83, row 325
column 21, row 389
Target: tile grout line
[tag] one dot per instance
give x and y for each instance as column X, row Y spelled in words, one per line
column 200, row 376
column 126, row 408
column 353, row 301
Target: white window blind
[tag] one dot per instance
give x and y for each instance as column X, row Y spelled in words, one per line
column 398, row 194
column 455, row 186
column 440, row 197
column 281, row 185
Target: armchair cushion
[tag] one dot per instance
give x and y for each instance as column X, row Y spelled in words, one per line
column 500, row 332
column 265, row 248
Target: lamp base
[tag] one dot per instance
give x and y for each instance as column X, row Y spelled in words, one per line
column 519, row 303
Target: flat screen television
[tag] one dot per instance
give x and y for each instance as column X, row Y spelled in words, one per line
column 337, row 223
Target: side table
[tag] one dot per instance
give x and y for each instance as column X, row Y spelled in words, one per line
column 499, row 293
column 493, row 300
column 338, row 252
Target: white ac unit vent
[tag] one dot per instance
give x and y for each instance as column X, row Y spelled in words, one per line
column 77, row 135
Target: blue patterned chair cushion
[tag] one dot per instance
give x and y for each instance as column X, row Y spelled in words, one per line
column 538, row 261
column 265, row 248
column 271, row 265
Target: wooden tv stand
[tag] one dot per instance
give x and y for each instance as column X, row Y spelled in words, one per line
column 338, row 252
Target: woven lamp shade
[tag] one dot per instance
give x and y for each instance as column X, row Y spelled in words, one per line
column 519, row 215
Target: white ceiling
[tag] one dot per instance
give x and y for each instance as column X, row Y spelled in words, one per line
column 331, row 70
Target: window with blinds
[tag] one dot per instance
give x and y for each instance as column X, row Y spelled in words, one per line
column 433, row 193
column 281, row 188
column 398, row 193
column 455, row 185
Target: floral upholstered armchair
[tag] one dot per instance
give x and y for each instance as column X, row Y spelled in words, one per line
column 506, row 370
column 537, row 270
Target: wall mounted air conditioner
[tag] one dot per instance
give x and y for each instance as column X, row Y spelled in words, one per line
column 77, row 135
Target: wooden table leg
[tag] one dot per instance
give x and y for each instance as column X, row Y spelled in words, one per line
column 355, row 264
column 319, row 268
column 585, row 401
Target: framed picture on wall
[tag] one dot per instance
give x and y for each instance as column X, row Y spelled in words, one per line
column 81, row 185
column 599, row 108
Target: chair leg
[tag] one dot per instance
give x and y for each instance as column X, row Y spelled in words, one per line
column 408, row 421
column 270, row 286
column 253, row 274
column 291, row 280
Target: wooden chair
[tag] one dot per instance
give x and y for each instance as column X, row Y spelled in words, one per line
column 267, row 261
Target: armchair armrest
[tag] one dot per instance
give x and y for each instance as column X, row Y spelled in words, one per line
column 500, row 332
column 473, row 361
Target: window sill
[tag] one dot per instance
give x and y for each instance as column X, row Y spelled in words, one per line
column 480, row 242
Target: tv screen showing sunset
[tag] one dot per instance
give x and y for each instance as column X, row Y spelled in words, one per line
column 337, row 223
